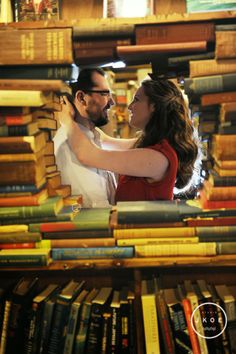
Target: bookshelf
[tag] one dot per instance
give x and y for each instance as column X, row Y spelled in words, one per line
column 106, row 272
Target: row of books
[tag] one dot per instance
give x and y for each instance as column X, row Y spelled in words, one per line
column 75, row 318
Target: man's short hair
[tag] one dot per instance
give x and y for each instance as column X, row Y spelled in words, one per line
column 84, row 81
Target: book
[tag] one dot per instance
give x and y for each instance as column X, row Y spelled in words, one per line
column 36, row 46
column 73, row 320
column 60, row 318
column 48, row 208
column 112, row 252
column 141, row 53
column 19, row 237
column 99, row 305
column 96, row 55
column 34, row 98
column 19, row 130
column 45, row 123
column 218, row 146
column 211, row 67
column 35, row 85
column 25, row 257
column 219, row 193
column 219, row 181
column 210, row 84
column 25, row 144
column 163, row 319
column 31, row 172
column 215, row 204
column 225, row 44
column 225, row 164
column 156, row 241
column 8, row 246
column 43, row 10
column 105, row 43
column 83, row 322
column 21, row 298
column 24, row 189
column 99, row 31
column 115, row 342
column 86, row 219
column 194, row 6
column 228, row 301
column 227, row 112
column 35, row 316
column 167, row 250
column 35, row 199
column 20, row 119
column 77, row 234
column 150, row 322
column 82, row 242
column 217, row 221
column 174, row 33
column 225, row 172
column 217, row 98
column 154, row 232
column 226, row 247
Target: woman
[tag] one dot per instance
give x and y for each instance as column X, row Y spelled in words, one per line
column 163, row 155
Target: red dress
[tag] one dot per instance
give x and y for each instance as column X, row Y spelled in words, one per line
column 138, row 188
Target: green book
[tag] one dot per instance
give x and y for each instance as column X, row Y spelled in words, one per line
column 50, row 207
column 24, row 257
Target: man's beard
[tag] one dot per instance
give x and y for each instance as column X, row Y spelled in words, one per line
column 99, row 119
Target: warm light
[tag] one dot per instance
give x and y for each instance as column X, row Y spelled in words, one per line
column 115, row 65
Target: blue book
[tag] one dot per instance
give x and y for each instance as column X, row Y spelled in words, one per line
column 92, row 252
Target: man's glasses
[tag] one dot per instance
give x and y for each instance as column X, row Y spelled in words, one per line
column 105, row 93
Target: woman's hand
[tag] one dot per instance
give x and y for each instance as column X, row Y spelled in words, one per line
column 67, row 114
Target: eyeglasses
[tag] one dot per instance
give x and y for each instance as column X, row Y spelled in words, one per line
column 105, row 93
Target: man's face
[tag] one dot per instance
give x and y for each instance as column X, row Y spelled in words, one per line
column 99, row 103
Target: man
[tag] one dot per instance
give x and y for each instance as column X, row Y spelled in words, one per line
column 92, row 100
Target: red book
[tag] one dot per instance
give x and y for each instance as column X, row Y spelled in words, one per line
column 27, row 200
column 192, row 335
column 17, row 245
column 18, row 119
column 216, row 204
column 224, row 221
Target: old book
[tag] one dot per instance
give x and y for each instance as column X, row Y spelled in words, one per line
column 19, row 237
column 50, row 207
column 218, row 181
column 227, row 112
column 214, row 221
column 42, row 72
column 225, row 172
column 82, row 328
column 219, row 233
column 45, row 123
column 192, row 249
column 8, row 246
column 112, row 252
column 97, row 29
column 35, row 199
column 225, row 44
column 76, row 234
column 174, row 33
column 225, row 164
column 156, row 241
column 210, row 84
column 99, row 305
column 228, row 301
column 35, row 318
column 218, row 98
column 20, row 300
column 219, row 193
column 34, row 85
column 27, row 11
column 196, row 319
column 226, row 247
column 19, row 190
column 143, row 52
column 25, row 257
column 115, row 339
column 219, row 142
column 163, row 317
column 106, row 43
column 149, row 313
column 20, row 119
column 59, row 324
column 31, row 172
column 25, row 97
column 154, row 233
column 47, row 46
column 216, row 204
column 73, row 320
column 31, row 128
column 211, row 67
column 91, row 219
column 82, row 242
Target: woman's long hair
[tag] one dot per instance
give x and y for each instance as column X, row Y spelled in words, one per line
column 171, row 121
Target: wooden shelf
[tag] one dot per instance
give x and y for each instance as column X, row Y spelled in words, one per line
column 133, row 263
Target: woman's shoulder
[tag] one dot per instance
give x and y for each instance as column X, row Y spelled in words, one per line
column 166, row 149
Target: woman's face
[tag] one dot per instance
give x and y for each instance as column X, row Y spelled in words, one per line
column 140, row 110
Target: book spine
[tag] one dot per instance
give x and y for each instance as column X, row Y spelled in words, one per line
column 93, row 252
column 150, row 324
column 45, row 329
column 211, row 67
column 200, row 249
column 81, row 335
column 6, row 316
column 217, row 98
column 23, row 260
column 94, row 339
column 210, row 84
column 226, row 247
column 22, row 237
column 74, row 311
column 154, row 232
column 192, row 334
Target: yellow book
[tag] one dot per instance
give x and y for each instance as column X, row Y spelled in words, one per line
column 25, row 98
column 13, row 228
column 191, row 249
column 156, row 241
column 150, row 322
column 155, row 232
